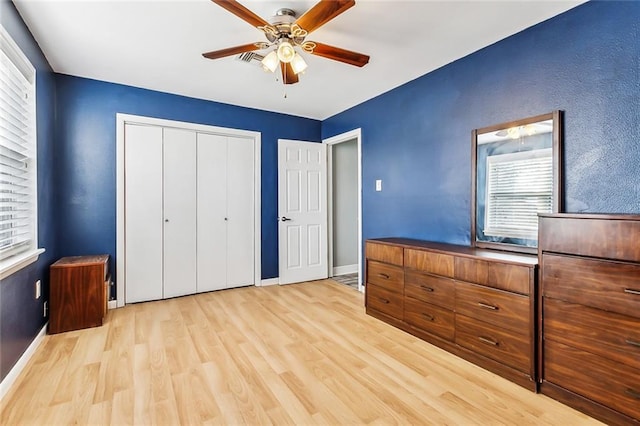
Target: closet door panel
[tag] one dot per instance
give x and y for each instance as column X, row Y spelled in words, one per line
column 179, row 154
column 143, row 206
column 212, row 212
column 240, row 208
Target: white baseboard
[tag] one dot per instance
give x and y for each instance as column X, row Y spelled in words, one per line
column 113, row 304
column 22, row 362
column 269, row 281
column 346, row 269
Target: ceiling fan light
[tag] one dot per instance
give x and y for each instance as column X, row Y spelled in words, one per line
column 270, row 62
column 298, row 64
column 286, row 52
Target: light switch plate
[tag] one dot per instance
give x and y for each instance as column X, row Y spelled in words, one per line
column 378, row 184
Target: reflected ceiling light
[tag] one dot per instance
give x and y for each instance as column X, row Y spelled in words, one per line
column 530, row 129
column 513, row 132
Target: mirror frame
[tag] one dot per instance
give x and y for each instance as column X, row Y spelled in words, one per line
column 556, row 146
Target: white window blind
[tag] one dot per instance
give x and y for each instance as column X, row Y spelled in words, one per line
column 519, row 186
column 18, row 215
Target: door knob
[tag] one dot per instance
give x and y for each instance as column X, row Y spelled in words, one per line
column 284, row 219
column 166, row 220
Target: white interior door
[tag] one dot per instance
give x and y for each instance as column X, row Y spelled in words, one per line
column 212, row 212
column 143, row 204
column 302, row 211
column 179, row 240
column 240, row 212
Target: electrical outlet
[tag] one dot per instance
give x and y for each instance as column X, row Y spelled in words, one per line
column 46, row 307
column 38, row 289
column 378, row 184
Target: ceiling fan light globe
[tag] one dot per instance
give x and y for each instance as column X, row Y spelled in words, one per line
column 298, row 64
column 286, row 52
column 270, row 62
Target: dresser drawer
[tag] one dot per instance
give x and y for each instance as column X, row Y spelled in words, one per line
column 612, row 286
column 430, row 288
column 385, row 275
column 504, row 276
column 428, row 261
column 430, row 318
column 506, row 346
column 383, row 253
column 497, row 307
column 610, row 335
column 385, row 301
column 608, row 382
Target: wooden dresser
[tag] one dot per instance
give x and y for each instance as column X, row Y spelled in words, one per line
column 478, row 304
column 79, row 292
column 590, row 287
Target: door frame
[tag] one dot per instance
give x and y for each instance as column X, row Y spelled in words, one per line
column 121, row 121
column 355, row 134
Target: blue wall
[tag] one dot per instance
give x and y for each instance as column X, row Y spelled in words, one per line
column 20, row 313
column 417, row 138
column 85, row 160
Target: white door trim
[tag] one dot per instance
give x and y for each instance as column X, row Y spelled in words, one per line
column 121, row 120
column 334, row 140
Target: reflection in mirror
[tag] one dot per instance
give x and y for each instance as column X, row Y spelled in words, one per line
column 516, row 176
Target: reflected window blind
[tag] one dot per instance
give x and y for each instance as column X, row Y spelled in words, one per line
column 17, row 151
column 519, row 186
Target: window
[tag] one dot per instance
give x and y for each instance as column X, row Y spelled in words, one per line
column 519, row 186
column 18, row 209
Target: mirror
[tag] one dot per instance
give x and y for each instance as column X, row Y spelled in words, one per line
column 516, row 175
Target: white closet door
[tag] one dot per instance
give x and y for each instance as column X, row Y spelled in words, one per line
column 212, row 212
column 240, row 210
column 143, row 206
column 179, row 212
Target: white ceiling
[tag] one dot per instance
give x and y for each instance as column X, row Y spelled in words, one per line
column 157, row 44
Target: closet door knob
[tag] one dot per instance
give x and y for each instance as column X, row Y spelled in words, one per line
column 166, row 220
column 284, row 219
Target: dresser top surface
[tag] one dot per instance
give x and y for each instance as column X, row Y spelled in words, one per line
column 467, row 251
column 82, row 260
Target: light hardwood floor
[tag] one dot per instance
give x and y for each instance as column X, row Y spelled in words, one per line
column 298, row 354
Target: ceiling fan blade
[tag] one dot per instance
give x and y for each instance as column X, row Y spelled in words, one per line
column 230, row 51
column 288, row 76
column 322, row 13
column 241, row 12
column 341, row 55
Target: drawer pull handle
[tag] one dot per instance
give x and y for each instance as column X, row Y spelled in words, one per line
column 484, row 305
column 488, row 341
column 632, row 342
column 429, row 317
column 385, row 301
column 425, row 288
column 633, row 393
column 632, row 291
column 385, row 276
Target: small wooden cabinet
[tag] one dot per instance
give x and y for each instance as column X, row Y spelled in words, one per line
column 590, row 287
column 79, row 292
column 478, row 304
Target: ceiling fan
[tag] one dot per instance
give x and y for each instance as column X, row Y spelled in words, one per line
column 285, row 33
